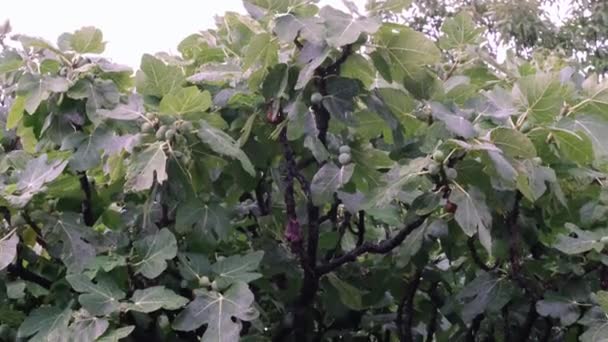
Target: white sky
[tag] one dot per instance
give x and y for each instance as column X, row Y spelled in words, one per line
column 130, row 27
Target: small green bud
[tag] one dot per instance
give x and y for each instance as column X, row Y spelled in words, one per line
column 344, row 149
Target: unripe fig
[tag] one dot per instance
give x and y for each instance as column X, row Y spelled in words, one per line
column 438, row 156
column 344, row 149
column 186, row 126
column 344, row 158
column 170, row 134
column 160, row 134
column 150, row 116
column 147, row 127
column 214, row 285
column 434, row 169
column 316, row 98
column 204, row 281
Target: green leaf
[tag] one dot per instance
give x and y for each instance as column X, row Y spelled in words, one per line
column 340, row 98
column 88, row 329
column 86, row 40
column 405, row 50
column 458, row 32
column 559, row 308
column 583, row 241
column 10, row 62
column 473, row 214
column 596, row 97
column 358, row 67
column 262, row 50
column 328, row 180
column 594, row 127
column 101, row 298
column 201, row 47
column 222, row 143
column 513, row 143
column 237, row 268
column 485, row 293
column 118, row 334
column 378, row 6
column 76, row 252
column 539, row 96
column 36, row 88
column 287, row 27
column 46, row 324
column 16, row 113
column 393, row 182
column 217, row 311
column 132, row 110
column 8, row 249
column 277, row 6
column 99, row 93
column 153, row 251
column 455, row 123
column 154, row 298
column 205, row 218
column 147, row 167
column 38, row 172
column 216, row 73
column 349, row 295
column 92, row 147
column 311, row 56
column 193, row 266
column 157, row 78
column 184, row 101
column 602, row 299
column 343, row 29
column 575, row 146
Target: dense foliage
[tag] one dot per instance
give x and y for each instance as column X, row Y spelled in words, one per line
column 574, row 28
column 305, row 174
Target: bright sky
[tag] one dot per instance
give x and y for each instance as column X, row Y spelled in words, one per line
column 130, row 27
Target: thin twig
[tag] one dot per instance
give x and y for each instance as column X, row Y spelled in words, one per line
column 382, row 247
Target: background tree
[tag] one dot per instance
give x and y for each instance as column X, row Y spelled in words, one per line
column 526, row 26
column 302, row 174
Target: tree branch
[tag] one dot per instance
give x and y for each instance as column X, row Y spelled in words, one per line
column 526, row 329
column 406, row 308
column 437, row 303
column 361, row 228
column 87, row 203
column 474, row 328
column 382, row 247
